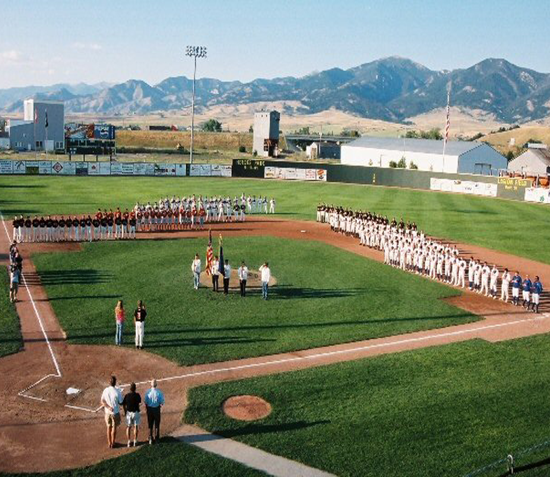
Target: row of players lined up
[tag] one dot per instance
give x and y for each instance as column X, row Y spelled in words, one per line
column 174, row 214
column 83, row 228
column 194, row 212
column 215, row 206
column 407, row 248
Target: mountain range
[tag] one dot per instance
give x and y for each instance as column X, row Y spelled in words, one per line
column 390, row 89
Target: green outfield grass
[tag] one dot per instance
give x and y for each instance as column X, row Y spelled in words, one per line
column 514, row 227
column 169, row 458
column 324, row 296
column 438, row 411
column 10, row 333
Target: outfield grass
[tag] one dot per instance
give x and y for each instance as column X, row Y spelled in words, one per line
column 10, row 332
column 167, row 459
column 438, row 411
column 324, row 296
column 514, row 227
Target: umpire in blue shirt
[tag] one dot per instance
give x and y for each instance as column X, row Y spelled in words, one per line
column 154, row 399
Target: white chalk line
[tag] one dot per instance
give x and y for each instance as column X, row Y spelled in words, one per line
column 348, row 350
column 23, row 393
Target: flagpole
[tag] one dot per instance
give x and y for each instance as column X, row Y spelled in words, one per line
column 447, row 124
column 34, row 138
column 46, row 130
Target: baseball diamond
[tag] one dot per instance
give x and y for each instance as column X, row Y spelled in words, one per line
column 387, row 345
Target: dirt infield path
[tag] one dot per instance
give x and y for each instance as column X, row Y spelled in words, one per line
column 38, row 431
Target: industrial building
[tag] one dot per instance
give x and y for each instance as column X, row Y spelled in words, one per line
column 323, row 150
column 425, row 154
column 266, row 133
column 31, row 134
column 533, row 162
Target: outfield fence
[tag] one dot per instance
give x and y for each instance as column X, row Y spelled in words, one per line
column 514, row 188
column 68, row 168
column 524, row 460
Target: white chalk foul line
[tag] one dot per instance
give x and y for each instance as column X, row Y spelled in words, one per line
column 23, row 393
column 348, row 350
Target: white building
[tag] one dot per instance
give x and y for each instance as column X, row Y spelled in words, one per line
column 266, row 133
column 32, row 133
column 533, row 162
column 426, row 154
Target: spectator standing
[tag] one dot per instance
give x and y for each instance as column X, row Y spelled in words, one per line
column 266, row 276
column 154, row 400
column 15, row 279
column 131, row 403
column 243, row 277
column 226, row 277
column 111, row 398
column 196, row 269
column 120, row 315
column 140, row 313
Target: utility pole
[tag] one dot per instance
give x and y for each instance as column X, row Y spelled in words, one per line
column 194, row 52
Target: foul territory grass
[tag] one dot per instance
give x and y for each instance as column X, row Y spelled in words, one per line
column 514, row 227
column 324, row 296
column 169, row 458
column 10, row 333
column 438, row 411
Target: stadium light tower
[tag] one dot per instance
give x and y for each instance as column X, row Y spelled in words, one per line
column 194, row 52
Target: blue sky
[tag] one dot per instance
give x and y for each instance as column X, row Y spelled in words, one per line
column 45, row 42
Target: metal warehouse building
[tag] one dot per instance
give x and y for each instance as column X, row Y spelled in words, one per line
column 426, row 154
column 534, row 161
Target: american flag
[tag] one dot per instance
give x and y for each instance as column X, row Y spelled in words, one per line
column 209, row 254
column 448, row 121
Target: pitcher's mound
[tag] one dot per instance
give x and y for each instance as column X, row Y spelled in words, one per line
column 246, row 408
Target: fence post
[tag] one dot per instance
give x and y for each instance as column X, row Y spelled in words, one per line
column 510, row 460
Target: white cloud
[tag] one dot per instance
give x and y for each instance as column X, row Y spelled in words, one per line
column 12, row 57
column 87, row 46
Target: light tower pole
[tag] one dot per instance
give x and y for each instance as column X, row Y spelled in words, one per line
column 194, row 52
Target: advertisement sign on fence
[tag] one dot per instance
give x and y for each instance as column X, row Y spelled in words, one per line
column 165, row 169
column 463, row 187
column 537, row 195
column 45, row 167
column 292, row 173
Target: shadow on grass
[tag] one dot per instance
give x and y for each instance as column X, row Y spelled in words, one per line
column 254, row 429
column 83, row 297
column 285, row 292
column 21, row 186
column 82, row 276
column 176, row 328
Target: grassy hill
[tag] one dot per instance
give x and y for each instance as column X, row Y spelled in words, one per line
column 170, row 140
column 501, row 141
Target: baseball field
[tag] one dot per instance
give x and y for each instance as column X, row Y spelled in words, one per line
column 367, row 370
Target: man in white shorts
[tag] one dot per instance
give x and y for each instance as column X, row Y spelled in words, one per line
column 111, row 399
column 131, row 403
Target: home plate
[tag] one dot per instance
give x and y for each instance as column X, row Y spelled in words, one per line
column 71, row 391
column 303, row 231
